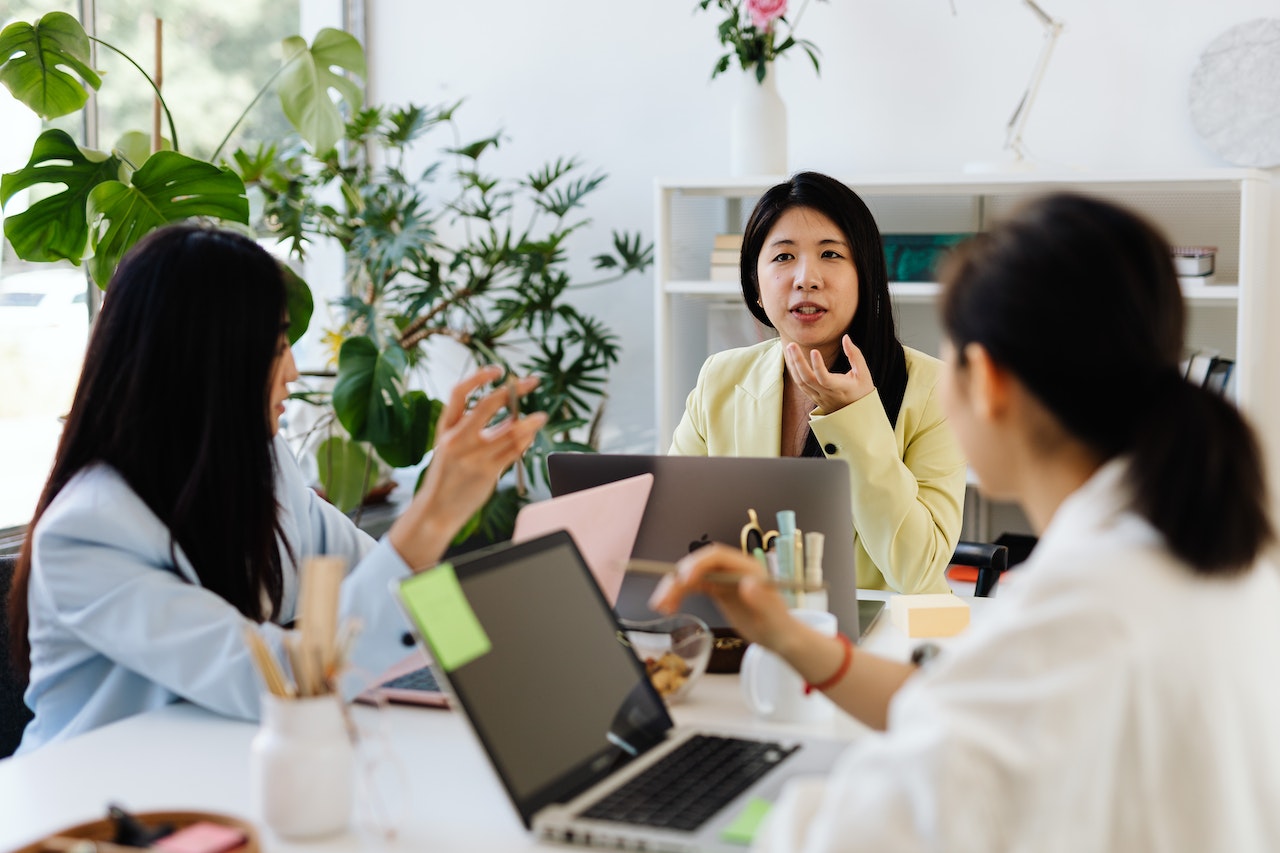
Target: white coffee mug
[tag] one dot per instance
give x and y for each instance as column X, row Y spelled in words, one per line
column 773, row 690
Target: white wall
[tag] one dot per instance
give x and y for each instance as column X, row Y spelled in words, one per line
column 906, row 86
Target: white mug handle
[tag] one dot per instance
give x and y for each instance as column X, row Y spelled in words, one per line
column 749, row 677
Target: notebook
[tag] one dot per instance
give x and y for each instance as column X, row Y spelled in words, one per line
column 700, row 499
column 603, row 521
column 527, row 620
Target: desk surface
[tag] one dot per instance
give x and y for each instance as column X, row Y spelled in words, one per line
column 184, row 758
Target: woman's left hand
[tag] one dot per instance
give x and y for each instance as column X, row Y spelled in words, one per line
column 830, row 391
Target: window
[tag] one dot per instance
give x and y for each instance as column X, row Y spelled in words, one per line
column 216, row 56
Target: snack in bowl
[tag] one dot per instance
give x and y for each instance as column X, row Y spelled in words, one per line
column 674, row 651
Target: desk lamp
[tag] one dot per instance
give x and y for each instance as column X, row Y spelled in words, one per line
column 1013, row 131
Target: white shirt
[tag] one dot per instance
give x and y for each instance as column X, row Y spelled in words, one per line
column 1114, row 702
column 117, row 628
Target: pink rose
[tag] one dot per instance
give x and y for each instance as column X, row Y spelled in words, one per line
column 763, row 12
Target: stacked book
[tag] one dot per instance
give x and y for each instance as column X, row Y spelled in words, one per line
column 724, row 257
column 1209, row 370
column 1194, row 264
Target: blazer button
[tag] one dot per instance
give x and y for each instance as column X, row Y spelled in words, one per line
column 406, row 639
column 830, row 450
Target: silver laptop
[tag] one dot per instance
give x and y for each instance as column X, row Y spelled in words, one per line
column 701, row 499
column 529, row 649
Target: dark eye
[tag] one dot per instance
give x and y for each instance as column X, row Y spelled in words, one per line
column 832, row 253
column 784, row 256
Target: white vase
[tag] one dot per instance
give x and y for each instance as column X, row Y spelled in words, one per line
column 301, row 767
column 758, row 140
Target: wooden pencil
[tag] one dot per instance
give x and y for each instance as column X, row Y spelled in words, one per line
column 658, row 567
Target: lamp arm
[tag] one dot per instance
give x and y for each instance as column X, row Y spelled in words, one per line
column 1052, row 29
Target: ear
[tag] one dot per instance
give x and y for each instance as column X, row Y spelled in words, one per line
column 989, row 384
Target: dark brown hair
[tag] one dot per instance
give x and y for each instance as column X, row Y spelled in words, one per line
column 174, row 396
column 1078, row 298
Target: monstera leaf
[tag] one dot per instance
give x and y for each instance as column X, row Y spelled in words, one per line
column 419, row 434
column 366, row 397
column 56, row 227
column 34, row 59
column 169, row 187
column 305, row 85
column 343, row 467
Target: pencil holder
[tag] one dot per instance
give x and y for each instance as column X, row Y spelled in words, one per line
column 301, row 767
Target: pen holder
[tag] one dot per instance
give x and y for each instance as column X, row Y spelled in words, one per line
column 301, row 767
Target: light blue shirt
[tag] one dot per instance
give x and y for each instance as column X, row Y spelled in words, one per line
column 117, row 628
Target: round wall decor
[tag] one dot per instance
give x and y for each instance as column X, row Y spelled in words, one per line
column 1235, row 94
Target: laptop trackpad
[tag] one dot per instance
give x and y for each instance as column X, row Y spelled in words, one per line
column 633, row 602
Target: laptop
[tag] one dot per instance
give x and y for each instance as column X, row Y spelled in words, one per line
column 603, row 521
column 701, row 499
column 529, row 649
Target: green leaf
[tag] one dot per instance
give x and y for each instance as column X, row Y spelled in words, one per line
column 35, row 60
column 300, row 303
column 412, row 444
column 170, row 187
column 475, row 149
column 342, row 466
column 304, row 87
column 366, row 396
column 56, row 227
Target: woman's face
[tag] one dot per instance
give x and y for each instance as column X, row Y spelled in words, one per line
column 808, row 282
column 283, row 372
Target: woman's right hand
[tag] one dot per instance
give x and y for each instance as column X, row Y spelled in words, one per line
column 468, row 458
column 754, row 607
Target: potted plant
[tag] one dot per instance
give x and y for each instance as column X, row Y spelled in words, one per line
column 447, row 254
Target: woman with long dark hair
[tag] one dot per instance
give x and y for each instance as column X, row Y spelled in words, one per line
column 836, row 382
column 1122, row 697
column 174, row 515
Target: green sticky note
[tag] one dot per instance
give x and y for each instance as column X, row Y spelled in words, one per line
column 445, row 617
column 744, row 826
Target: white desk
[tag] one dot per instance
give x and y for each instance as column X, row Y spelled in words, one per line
column 184, row 758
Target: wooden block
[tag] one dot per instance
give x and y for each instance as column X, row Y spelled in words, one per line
column 936, row 615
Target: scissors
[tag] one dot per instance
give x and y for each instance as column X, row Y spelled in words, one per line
column 754, row 536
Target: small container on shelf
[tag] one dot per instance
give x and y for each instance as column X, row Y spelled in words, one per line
column 1194, row 264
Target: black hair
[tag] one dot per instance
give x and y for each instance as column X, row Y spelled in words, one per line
column 872, row 328
column 174, row 396
column 1078, row 298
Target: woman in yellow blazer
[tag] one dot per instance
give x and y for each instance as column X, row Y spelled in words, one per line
column 836, row 382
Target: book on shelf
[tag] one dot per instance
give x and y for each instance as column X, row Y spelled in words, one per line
column 724, row 272
column 725, row 256
column 1208, row 369
column 728, row 241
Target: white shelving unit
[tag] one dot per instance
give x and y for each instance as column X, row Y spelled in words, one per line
column 1237, row 210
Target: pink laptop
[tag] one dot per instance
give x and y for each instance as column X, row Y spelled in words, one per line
column 603, row 521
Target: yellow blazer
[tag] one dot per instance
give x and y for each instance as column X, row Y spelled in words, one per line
column 907, row 481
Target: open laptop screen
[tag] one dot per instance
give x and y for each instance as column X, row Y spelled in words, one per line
column 557, row 699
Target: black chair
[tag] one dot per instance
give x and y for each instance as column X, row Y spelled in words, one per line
column 991, row 560
column 14, row 714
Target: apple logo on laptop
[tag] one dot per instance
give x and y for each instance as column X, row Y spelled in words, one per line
column 699, row 543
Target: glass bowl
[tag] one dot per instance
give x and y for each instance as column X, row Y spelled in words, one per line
column 674, row 651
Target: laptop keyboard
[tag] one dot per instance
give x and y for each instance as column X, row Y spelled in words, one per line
column 419, row 679
column 691, row 784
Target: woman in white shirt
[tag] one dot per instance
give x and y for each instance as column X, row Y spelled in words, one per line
column 1123, row 695
column 174, row 516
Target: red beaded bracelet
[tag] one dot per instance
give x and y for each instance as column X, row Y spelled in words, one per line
column 840, row 673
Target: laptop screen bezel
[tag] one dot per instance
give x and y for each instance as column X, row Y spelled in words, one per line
column 609, row 759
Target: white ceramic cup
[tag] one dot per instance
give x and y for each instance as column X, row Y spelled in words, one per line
column 773, row 690
column 301, row 765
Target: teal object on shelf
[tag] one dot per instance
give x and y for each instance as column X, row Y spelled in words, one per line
column 914, row 257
